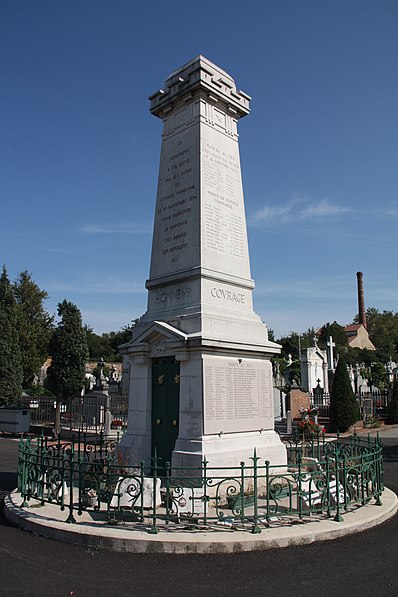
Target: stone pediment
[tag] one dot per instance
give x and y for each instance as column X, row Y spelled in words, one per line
column 157, row 333
column 314, row 353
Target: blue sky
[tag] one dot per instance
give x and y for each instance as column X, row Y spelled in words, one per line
column 79, row 150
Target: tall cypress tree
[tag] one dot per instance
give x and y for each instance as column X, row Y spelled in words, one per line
column 10, row 356
column 344, row 410
column 68, row 350
column 392, row 409
column 34, row 326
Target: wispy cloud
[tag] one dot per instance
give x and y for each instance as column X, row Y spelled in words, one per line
column 391, row 212
column 322, row 209
column 117, row 228
column 298, row 208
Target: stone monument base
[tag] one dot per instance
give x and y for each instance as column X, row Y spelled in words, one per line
column 219, row 451
column 229, row 450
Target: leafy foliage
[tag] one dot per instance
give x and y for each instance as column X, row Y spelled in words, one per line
column 10, row 356
column 338, row 334
column 68, row 349
column 344, row 406
column 378, row 375
column 291, row 345
column 360, row 355
column 392, row 411
column 34, row 325
column 294, row 342
column 383, row 331
column 107, row 345
column 344, row 410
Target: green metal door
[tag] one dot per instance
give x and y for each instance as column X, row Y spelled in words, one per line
column 165, row 406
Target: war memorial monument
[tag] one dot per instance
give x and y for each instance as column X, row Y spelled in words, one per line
column 200, row 384
column 199, row 359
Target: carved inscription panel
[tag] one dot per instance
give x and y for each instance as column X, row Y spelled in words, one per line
column 176, row 232
column 223, row 216
column 174, row 296
column 226, row 296
column 238, row 396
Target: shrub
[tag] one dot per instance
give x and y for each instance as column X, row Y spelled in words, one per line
column 392, row 409
column 344, row 410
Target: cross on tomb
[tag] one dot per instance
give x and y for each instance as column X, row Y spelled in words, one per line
column 330, row 344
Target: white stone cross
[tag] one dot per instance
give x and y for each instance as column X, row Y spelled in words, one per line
column 330, row 345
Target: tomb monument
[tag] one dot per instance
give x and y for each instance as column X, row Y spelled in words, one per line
column 199, row 358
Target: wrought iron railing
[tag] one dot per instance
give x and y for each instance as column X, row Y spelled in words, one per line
column 322, row 478
column 84, row 413
column 371, row 404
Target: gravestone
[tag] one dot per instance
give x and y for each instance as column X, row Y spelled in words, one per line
column 298, row 400
column 199, row 358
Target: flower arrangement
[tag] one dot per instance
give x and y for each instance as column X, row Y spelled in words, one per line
column 90, row 497
column 309, row 427
column 308, row 412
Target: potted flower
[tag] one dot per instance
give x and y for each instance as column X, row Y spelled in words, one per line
column 90, row 498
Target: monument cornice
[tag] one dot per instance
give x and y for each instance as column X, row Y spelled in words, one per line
column 211, row 346
column 199, row 273
column 199, row 77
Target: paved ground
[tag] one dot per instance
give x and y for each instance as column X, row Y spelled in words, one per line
column 363, row 565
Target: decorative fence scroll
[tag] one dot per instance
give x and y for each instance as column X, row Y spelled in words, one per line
column 324, row 479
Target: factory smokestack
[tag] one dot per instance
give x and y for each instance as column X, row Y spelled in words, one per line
column 361, row 300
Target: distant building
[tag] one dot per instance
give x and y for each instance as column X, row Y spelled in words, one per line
column 358, row 336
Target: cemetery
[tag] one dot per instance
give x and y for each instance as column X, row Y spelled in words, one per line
column 199, row 455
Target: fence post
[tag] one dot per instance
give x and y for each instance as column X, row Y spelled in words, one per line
column 154, row 529
column 378, row 451
column 204, row 481
column 338, row 517
column 255, row 529
column 300, row 488
column 71, row 463
column 267, row 481
column 24, row 473
column 242, row 490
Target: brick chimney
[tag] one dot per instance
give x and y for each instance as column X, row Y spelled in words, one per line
column 361, row 300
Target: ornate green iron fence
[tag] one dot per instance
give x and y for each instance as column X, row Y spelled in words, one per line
column 84, row 413
column 322, row 478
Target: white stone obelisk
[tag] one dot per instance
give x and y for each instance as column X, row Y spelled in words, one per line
column 200, row 309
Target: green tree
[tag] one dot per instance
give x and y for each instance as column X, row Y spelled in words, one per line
column 378, row 375
column 383, row 331
column 68, row 350
column 344, row 410
column 338, row 334
column 360, row 355
column 115, row 339
column 10, row 356
column 292, row 343
column 107, row 345
column 392, row 409
column 34, row 326
column 98, row 346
